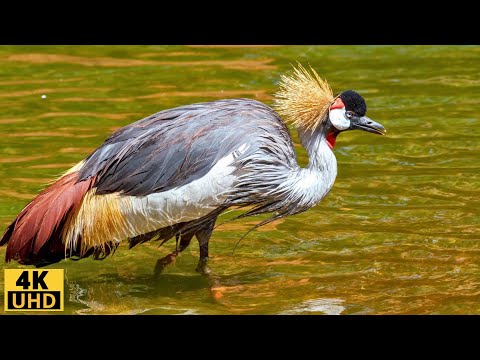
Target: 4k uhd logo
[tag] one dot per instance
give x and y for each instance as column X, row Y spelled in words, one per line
column 33, row 290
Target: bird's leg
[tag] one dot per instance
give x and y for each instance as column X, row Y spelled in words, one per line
column 163, row 262
column 203, row 236
column 202, row 266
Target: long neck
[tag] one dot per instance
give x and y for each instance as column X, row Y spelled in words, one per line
column 319, row 152
column 295, row 189
column 311, row 184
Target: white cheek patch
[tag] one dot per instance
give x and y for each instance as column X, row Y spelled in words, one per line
column 338, row 119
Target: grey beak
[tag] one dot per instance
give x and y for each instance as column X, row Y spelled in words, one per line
column 366, row 124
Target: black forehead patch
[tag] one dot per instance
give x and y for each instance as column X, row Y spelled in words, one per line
column 354, row 102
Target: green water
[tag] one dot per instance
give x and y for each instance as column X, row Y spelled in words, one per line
column 398, row 234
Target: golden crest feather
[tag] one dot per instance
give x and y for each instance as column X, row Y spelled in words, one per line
column 303, row 98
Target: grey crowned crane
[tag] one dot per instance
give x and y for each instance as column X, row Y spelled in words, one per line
column 173, row 173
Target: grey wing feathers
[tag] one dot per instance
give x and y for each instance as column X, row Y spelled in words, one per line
column 176, row 146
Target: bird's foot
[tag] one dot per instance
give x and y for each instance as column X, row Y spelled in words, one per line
column 163, row 262
column 203, row 268
column 214, row 283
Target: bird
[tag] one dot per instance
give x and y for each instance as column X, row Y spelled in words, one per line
column 171, row 174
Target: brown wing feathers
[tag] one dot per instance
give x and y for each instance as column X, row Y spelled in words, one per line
column 35, row 236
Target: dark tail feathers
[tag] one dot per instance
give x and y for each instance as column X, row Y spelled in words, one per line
column 35, row 236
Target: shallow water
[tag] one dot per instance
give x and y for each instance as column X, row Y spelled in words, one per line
column 398, row 234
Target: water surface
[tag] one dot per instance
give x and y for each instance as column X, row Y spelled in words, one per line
column 398, row 234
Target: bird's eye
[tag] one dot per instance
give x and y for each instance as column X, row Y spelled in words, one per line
column 349, row 114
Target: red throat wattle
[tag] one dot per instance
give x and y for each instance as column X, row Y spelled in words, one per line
column 331, row 139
